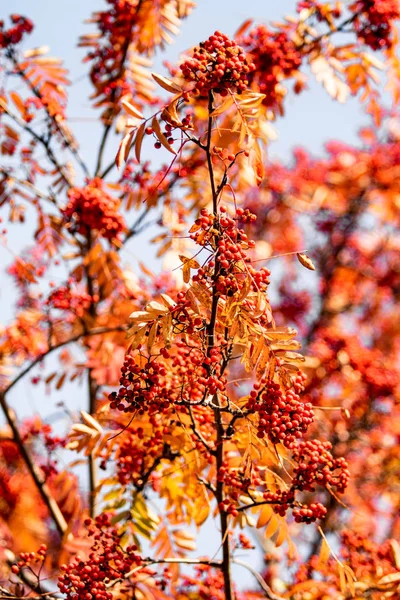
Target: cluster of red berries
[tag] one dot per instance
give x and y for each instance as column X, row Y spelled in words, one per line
column 275, row 57
column 317, row 466
column 207, row 583
column 136, row 454
column 34, row 429
column 374, row 21
column 145, row 185
column 219, row 65
column 63, row 298
column 228, row 243
column 244, row 542
column 115, row 30
column 293, row 305
column 88, row 579
column 142, row 388
column 282, row 416
column 92, row 208
column 235, row 484
column 199, row 374
column 282, row 500
column 13, row 35
column 192, row 378
column 378, row 378
column 184, row 321
column 365, row 556
column 26, row 559
column 310, row 513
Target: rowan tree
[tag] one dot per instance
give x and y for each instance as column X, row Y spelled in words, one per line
column 250, row 389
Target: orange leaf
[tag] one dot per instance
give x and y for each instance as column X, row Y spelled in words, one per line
column 160, row 136
column 124, row 148
column 132, row 110
column 19, row 103
column 138, row 141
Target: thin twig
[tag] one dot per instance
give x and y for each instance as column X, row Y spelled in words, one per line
column 269, row 593
column 73, row 149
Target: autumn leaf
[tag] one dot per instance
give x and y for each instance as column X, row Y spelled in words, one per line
column 166, row 84
column 306, row 261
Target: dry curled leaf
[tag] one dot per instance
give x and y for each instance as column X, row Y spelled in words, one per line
column 306, row 261
column 166, row 84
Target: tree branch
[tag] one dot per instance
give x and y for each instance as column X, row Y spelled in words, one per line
column 73, row 149
column 50, row 154
column 268, row 591
column 36, row 474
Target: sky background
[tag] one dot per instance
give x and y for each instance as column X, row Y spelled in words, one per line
column 311, row 119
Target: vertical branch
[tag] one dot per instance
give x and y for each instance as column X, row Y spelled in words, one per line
column 37, row 476
column 92, row 386
column 35, row 90
column 219, row 454
column 110, row 120
column 92, row 390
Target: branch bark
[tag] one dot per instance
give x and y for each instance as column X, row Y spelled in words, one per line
column 219, row 453
column 10, row 416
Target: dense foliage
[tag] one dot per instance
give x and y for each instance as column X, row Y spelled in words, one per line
column 250, row 389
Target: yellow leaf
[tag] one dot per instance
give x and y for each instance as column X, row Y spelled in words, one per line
column 33, row 52
column 342, row 578
column 272, row 526
column 258, row 165
column 167, row 300
column 306, row 261
column 132, row 110
column 190, row 261
column 280, row 333
column 166, row 84
column 124, row 148
column 395, row 548
column 350, row 578
column 81, row 428
column 184, row 539
column 282, row 535
column 90, row 421
column 152, row 336
column 156, row 307
column 264, row 516
column 324, row 552
column 227, row 103
column 186, row 272
column 170, row 113
column 141, row 315
column 392, row 578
